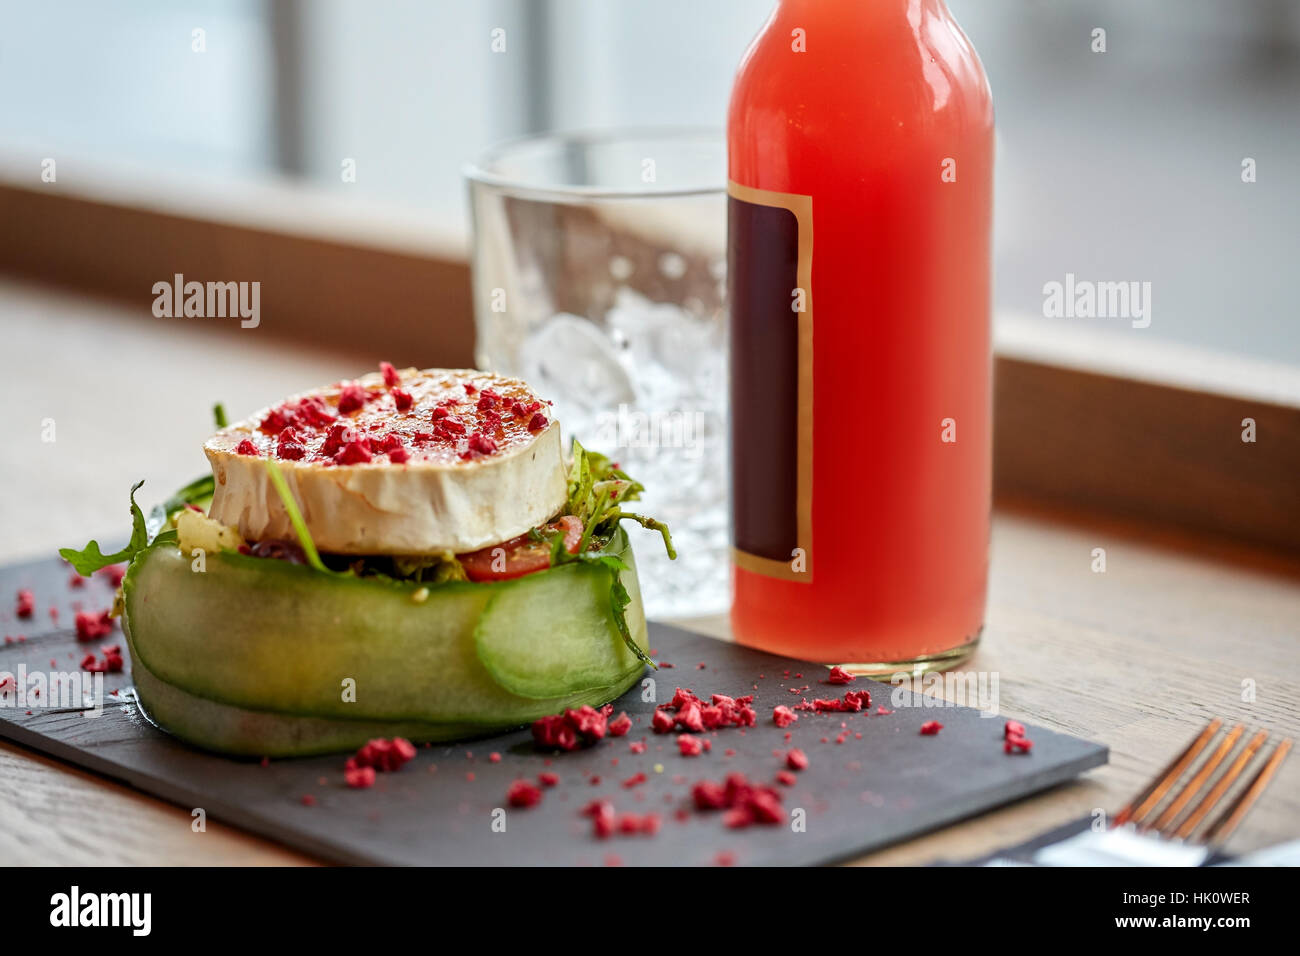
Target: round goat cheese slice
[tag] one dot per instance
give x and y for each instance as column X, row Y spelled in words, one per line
column 409, row 462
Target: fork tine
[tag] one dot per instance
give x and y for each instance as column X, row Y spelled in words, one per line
column 1193, row 786
column 1221, row 786
column 1149, row 798
column 1222, row 828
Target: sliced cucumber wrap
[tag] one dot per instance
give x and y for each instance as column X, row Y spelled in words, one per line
column 272, row 637
column 252, row 733
column 554, row 632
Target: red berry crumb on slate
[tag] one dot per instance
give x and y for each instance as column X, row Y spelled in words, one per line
column 358, row 777
column 523, row 794
column 662, row 722
column 111, row 664
column 783, row 716
column 620, row 725
column 854, row 701
column 745, row 802
column 92, row 625
column 385, row 755
column 1015, row 740
column 573, row 728
column 1017, row 745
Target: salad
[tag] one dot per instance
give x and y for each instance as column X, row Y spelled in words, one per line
column 407, row 554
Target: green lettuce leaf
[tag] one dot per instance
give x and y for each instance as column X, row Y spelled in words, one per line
column 90, row 558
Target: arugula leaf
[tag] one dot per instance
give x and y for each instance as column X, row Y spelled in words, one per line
column 596, row 490
column 596, row 518
column 650, row 524
column 90, row 559
column 295, row 516
column 580, row 480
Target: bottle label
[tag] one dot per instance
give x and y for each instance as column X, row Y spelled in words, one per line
column 769, row 277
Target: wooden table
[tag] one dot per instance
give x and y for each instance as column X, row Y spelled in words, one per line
column 1136, row 657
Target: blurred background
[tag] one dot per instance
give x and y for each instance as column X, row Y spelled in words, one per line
column 1122, row 165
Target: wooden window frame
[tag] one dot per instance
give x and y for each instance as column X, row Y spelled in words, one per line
column 1115, row 425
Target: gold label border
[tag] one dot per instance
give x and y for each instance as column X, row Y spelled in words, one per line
column 802, row 208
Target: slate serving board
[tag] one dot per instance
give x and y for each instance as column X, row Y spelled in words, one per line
column 883, row 786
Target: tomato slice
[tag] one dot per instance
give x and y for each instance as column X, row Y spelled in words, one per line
column 521, row 555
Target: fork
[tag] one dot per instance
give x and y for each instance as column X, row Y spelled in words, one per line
column 1162, row 825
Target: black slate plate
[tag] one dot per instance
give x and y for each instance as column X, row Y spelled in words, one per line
column 883, row 786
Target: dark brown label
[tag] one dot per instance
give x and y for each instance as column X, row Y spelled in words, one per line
column 769, row 265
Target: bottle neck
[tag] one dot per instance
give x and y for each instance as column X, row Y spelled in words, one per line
column 865, row 10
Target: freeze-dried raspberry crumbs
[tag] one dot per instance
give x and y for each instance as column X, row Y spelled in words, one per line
column 783, row 716
column 358, row 777
column 573, row 728
column 93, row 625
column 620, row 725
column 385, row 755
column 1017, row 745
column 111, row 664
column 351, row 398
column 523, row 794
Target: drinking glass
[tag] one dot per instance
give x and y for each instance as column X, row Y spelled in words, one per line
column 599, row 272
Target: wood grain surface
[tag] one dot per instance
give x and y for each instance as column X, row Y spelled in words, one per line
column 1136, row 657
